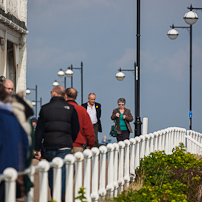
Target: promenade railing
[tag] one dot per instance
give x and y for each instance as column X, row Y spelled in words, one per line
column 102, row 172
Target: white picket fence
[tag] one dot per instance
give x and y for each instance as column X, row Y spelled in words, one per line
column 104, row 171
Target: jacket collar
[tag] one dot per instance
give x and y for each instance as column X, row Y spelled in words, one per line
column 57, row 98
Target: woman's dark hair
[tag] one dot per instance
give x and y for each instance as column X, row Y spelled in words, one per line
column 121, row 100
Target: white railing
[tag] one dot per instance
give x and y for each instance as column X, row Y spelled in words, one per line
column 103, row 172
column 194, row 142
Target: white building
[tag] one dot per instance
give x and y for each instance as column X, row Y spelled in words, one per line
column 13, row 33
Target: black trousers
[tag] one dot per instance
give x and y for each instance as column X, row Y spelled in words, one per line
column 95, row 126
column 123, row 136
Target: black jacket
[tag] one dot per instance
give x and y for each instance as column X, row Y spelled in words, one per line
column 98, row 113
column 57, row 124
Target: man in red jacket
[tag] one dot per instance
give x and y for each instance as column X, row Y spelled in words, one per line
column 86, row 135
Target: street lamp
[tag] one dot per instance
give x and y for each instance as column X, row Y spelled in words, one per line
column 55, row 83
column 69, row 73
column 61, row 73
column 190, row 18
column 34, row 102
column 120, row 77
column 28, row 91
column 137, row 76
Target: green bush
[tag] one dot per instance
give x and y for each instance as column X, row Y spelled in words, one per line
column 170, row 178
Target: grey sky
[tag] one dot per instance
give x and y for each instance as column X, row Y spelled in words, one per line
column 102, row 34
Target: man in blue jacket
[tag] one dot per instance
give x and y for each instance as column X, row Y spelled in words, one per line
column 58, row 127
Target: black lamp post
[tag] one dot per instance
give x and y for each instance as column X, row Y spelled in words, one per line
column 190, row 18
column 173, row 34
column 81, row 68
column 34, row 102
column 28, row 91
column 69, row 73
column 137, row 76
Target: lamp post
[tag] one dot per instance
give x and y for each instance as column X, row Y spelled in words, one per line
column 120, row 76
column 28, row 91
column 190, row 18
column 81, row 68
column 69, row 73
column 137, row 76
column 34, row 102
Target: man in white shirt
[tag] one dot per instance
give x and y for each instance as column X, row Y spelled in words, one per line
column 94, row 110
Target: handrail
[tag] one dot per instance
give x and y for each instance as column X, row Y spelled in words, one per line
column 113, row 166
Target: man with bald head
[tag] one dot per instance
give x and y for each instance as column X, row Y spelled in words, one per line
column 86, row 134
column 8, row 85
column 58, row 126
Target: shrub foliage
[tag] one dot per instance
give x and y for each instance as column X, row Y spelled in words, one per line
column 167, row 178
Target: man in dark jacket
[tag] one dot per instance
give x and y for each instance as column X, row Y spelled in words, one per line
column 58, row 127
column 94, row 110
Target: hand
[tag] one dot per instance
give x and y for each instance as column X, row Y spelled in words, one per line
column 117, row 114
column 124, row 116
column 38, row 155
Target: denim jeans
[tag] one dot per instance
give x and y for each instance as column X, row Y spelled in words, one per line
column 49, row 155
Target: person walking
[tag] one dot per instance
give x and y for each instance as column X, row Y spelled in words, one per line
column 58, row 126
column 86, row 135
column 122, row 117
column 94, row 110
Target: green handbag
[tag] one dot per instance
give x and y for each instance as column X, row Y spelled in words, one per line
column 113, row 131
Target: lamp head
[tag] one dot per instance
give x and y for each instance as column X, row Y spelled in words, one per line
column 33, row 103
column 120, row 76
column 172, row 34
column 55, row 83
column 190, row 17
column 69, row 73
column 61, row 73
column 28, row 91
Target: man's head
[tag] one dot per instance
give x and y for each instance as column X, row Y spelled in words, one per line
column 70, row 94
column 91, row 98
column 58, row 91
column 8, row 85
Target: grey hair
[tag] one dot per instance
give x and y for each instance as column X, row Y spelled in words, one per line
column 121, row 100
column 90, row 95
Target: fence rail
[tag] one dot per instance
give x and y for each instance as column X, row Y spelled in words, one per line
column 104, row 171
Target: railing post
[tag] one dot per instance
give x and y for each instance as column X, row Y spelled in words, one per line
column 69, row 160
column 43, row 182
column 147, row 138
column 160, row 140
column 137, row 152
column 156, row 141
column 166, row 141
column 57, row 179
column 142, row 146
column 115, row 171
column 110, row 184
column 87, row 172
column 94, row 194
column 132, row 159
column 78, row 172
column 121, row 157
column 126, row 163
column 102, row 190
column 10, row 184
column 30, row 195
column 151, row 143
